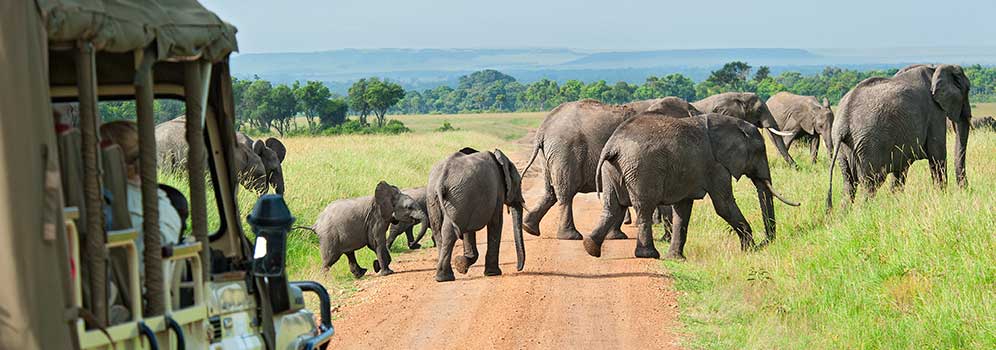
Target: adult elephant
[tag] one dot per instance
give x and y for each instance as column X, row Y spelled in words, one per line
column 259, row 163
column 749, row 107
column 571, row 138
column 885, row 124
column 804, row 118
column 650, row 160
column 466, row 193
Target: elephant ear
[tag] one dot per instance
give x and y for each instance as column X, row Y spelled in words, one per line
column 277, row 147
column 826, row 103
column 384, row 200
column 949, row 87
column 729, row 140
column 513, row 181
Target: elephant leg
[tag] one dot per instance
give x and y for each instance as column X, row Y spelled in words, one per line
column 665, row 215
column 611, row 219
column 567, row 229
column 531, row 221
column 872, row 180
column 447, row 238
column 395, row 231
column 628, row 218
column 682, row 214
column 491, row 267
column 332, row 259
column 938, row 158
column 726, row 207
column 814, row 148
column 470, row 254
column 645, row 238
column 421, row 233
column 354, row 267
column 899, row 179
column 384, row 258
column 847, row 172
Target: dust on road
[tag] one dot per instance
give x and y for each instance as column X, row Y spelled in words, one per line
column 562, row 299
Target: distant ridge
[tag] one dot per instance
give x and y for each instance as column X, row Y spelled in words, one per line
column 697, row 57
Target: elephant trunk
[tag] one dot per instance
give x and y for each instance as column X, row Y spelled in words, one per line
column 764, row 197
column 277, row 181
column 520, row 249
column 768, row 122
column 961, row 145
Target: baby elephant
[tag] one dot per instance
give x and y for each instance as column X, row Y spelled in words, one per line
column 347, row 225
column 408, row 227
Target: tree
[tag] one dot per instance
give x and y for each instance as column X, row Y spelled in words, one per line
column 595, row 90
column 333, row 112
column 311, row 97
column 732, row 76
column 254, row 99
column 540, row 94
column 571, row 90
column 281, row 108
column 358, row 100
column 762, row 73
column 620, row 93
column 381, row 95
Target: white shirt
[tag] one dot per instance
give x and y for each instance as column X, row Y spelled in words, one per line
column 169, row 220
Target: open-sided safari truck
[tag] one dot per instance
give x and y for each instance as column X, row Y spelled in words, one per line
column 68, row 251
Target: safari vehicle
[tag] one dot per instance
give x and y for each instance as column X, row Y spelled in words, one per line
column 67, row 245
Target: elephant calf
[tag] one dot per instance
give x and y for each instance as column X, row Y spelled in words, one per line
column 649, row 161
column 804, row 118
column 467, row 192
column 408, row 226
column 347, row 225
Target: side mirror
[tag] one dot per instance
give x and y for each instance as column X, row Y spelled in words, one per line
column 270, row 220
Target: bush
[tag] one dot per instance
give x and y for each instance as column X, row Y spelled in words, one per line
column 354, row 127
column 446, row 127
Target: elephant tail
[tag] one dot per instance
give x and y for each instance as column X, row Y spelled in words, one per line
column 307, row 228
column 833, row 162
column 607, row 154
column 536, row 150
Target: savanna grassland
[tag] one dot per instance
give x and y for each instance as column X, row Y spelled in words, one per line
column 914, row 269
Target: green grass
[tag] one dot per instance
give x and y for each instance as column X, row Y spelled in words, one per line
column 908, row 270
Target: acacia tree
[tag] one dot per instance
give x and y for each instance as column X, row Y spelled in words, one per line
column 381, row 96
column 358, row 100
column 311, row 98
column 254, row 100
column 281, row 108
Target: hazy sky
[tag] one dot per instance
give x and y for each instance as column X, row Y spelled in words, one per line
column 313, row 25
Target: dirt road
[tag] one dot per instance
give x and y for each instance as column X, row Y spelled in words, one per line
column 563, row 299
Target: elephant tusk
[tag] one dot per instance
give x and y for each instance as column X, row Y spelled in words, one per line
column 780, row 133
column 783, row 199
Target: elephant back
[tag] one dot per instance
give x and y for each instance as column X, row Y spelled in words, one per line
column 171, row 145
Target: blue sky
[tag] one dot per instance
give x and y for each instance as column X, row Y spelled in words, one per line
column 311, row 25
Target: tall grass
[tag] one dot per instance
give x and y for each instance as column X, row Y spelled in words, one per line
column 914, row 269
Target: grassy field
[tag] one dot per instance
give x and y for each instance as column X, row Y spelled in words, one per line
column 915, row 269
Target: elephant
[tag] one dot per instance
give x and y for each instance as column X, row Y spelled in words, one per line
column 984, row 123
column 408, row 226
column 258, row 163
column 466, row 193
column 885, row 124
column 649, row 161
column 805, row 118
column 347, row 225
column 749, row 107
column 571, row 138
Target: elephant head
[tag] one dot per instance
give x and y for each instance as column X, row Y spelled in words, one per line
column 822, row 123
column 260, row 164
column 739, row 147
column 673, row 107
column 393, row 206
column 746, row 106
column 949, row 87
column 514, row 201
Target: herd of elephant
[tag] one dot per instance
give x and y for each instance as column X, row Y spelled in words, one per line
column 656, row 157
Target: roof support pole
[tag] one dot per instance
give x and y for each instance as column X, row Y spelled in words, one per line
column 197, row 75
column 94, row 249
column 144, row 99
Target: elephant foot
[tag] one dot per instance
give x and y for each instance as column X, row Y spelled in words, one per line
column 496, row 271
column 616, row 234
column 445, row 276
column 675, row 256
column 462, row 264
column 648, row 252
column 531, row 227
column 376, row 266
column 592, row 248
column 569, row 234
column 358, row 273
column 385, row 272
column 414, row 246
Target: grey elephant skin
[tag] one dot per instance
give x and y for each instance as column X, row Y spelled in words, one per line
column 749, row 107
column 805, row 118
column 652, row 160
column 347, row 225
column 258, row 163
column 408, row 226
column 885, row 124
column 571, row 138
column 467, row 192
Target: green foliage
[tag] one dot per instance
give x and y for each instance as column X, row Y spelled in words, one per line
column 382, row 95
column 446, row 127
column 358, row 100
column 355, row 127
column 312, row 99
column 162, row 109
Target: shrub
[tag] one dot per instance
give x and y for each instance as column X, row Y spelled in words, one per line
column 446, row 127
